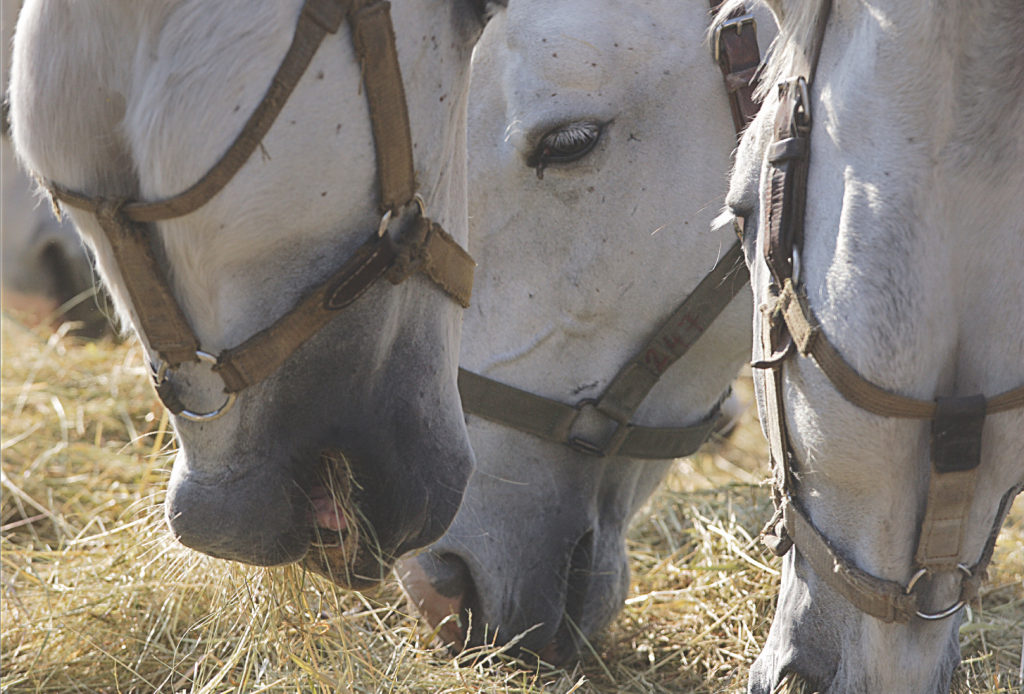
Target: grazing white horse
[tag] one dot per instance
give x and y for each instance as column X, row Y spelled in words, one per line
column 910, row 261
column 600, row 137
column 44, row 268
column 355, row 439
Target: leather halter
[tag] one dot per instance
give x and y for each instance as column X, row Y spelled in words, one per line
column 422, row 246
column 735, row 50
column 790, row 328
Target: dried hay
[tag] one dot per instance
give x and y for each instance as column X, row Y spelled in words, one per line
column 98, row 598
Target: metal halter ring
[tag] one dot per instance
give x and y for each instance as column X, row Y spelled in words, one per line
column 941, row 614
column 161, row 376
column 385, row 219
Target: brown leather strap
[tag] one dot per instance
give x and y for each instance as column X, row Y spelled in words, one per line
column 789, row 158
column 737, row 54
column 374, row 39
column 317, row 18
column 163, row 323
column 434, row 251
column 555, row 421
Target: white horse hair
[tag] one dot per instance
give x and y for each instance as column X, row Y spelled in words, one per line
column 44, row 268
column 911, row 262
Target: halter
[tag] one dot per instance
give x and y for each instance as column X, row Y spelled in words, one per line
column 789, row 328
column 422, row 245
column 734, row 47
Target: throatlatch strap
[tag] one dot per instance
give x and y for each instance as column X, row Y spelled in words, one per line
column 374, row 39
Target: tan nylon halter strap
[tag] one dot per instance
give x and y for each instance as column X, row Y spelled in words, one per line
column 422, row 247
column 556, row 421
column 736, row 52
column 789, row 326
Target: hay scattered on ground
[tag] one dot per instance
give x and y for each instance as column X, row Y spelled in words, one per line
column 96, row 597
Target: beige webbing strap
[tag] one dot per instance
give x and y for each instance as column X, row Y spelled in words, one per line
column 317, row 18
column 675, row 335
column 431, row 250
column 956, row 455
column 803, row 325
column 552, row 420
column 886, row 600
column 374, row 39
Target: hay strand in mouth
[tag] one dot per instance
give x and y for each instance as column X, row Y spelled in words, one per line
column 97, row 596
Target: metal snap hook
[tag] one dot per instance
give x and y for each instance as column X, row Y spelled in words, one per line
column 161, row 376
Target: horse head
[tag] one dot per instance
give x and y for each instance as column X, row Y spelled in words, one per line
column 887, row 328
column 599, row 138
column 345, row 437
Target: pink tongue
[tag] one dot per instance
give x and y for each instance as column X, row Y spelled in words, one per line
column 326, row 513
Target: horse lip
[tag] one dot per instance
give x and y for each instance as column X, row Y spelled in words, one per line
column 334, row 546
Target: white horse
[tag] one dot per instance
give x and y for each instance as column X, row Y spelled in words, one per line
column 600, row 135
column 355, row 438
column 44, row 268
column 910, row 261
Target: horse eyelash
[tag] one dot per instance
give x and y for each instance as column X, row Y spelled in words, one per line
column 565, row 144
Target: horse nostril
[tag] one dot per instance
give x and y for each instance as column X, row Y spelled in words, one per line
column 439, row 586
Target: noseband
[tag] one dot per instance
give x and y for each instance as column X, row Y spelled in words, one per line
column 422, row 246
column 734, row 47
column 789, row 328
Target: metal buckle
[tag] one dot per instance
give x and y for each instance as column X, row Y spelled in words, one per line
column 801, row 102
column 612, row 442
column 941, row 614
column 161, row 375
column 732, row 23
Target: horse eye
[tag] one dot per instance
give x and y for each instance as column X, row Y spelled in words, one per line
column 565, row 144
